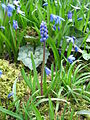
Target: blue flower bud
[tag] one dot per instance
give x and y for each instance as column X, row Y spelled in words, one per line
column 0, row 73
column 54, row 27
column 58, row 28
column 15, row 24
column 76, row 49
column 47, row 70
column 79, row 19
column 45, row 4
column 10, row 94
column 69, row 15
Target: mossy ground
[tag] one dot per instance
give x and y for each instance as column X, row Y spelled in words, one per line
column 9, row 74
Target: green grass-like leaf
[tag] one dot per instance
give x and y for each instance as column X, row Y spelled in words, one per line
column 37, row 113
column 15, row 115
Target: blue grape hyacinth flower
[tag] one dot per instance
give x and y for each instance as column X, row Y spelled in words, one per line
column 47, row 70
column 15, row 24
column 71, row 59
column 43, row 32
column 0, row 73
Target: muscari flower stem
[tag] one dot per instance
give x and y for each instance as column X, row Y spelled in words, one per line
column 42, row 72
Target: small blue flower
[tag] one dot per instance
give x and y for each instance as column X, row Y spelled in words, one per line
column 76, row 49
column 71, row 59
column 58, row 28
column 47, row 70
column 2, row 27
column 43, row 32
column 9, row 14
column 0, row 73
column 10, row 94
column 9, row 8
column 69, row 15
column 79, row 19
column 54, row 27
column 57, row 19
column 52, row 17
column 70, row 39
column 45, row 4
column 15, row 24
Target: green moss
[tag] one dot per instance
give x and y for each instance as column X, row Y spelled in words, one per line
column 10, row 73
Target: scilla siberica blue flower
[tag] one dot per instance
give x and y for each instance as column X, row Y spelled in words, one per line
column 70, row 16
column 43, row 32
column 47, row 70
column 9, row 8
column 57, row 20
column 15, row 24
column 0, row 73
column 71, row 59
column 70, row 39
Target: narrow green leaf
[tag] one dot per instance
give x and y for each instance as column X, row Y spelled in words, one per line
column 51, row 109
column 15, row 115
column 37, row 113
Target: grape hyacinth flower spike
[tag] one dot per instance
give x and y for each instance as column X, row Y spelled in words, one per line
column 43, row 32
column 44, row 37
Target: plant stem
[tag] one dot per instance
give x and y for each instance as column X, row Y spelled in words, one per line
column 42, row 69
